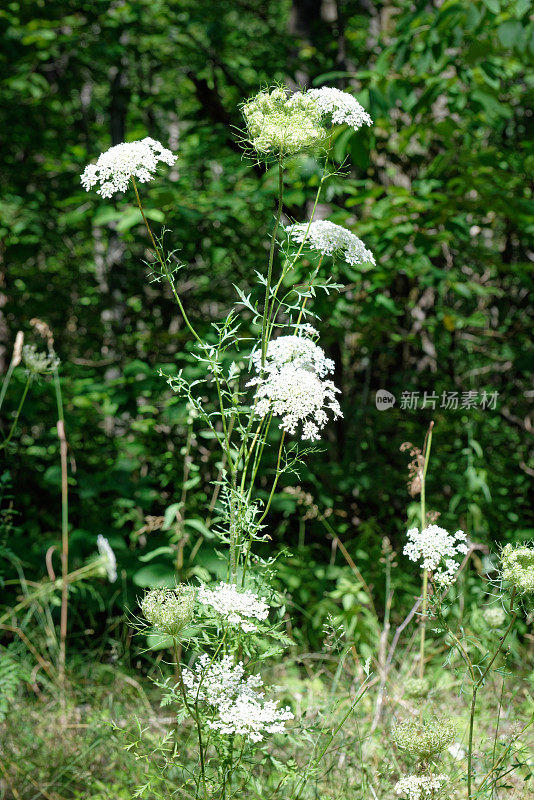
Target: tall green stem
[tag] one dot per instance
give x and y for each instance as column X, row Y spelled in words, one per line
column 17, row 415
column 424, row 605
column 194, row 716
column 476, row 687
column 271, row 260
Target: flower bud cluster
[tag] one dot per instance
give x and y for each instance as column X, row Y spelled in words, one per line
column 37, row 362
column 169, row 611
column 416, row 687
column 423, row 739
column 279, row 123
column 518, row 567
column 494, row 616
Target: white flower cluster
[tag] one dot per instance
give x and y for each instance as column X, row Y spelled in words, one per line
column 291, row 386
column 417, row 787
column 240, row 708
column 108, row 557
column 299, row 351
column 340, row 106
column 37, row 362
column 331, row 240
column 119, row 164
column 277, row 123
column 434, row 545
column 236, row 607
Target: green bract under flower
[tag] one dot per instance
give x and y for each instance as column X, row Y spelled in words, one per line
column 518, row 567
column 169, row 611
column 423, row 739
column 282, row 124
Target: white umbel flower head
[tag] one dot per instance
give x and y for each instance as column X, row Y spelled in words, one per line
column 37, row 362
column 419, row 787
column 115, row 168
column 331, row 240
column 340, row 106
column 436, row 550
column 299, row 351
column 169, row 611
column 108, row 557
column 518, row 567
column 240, row 707
column 280, row 124
column 234, row 606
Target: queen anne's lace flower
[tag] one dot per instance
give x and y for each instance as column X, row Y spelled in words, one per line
column 240, row 708
column 108, row 557
column 119, row 164
column 423, row 739
column 277, row 123
column 340, row 106
column 418, row 787
column 169, row 610
column 236, row 607
column 331, row 240
column 37, row 362
column 494, row 616
column 436, row 550
column 518, row 567
column 298, row 351
column 291, row 386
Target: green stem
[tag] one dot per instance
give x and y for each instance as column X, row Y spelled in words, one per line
column 271, row 260
column 476, row 687
column 164, row 265
column 424, row 606
column 17, row 415
column 193, row 715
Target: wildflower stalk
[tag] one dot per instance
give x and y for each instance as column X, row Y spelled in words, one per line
column 424, row 605
column 193, row 714
column 264, row 336
column 164, row 267
column 476, row 687
column 17, row 414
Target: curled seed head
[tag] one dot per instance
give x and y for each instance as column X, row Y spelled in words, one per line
column 424, row 739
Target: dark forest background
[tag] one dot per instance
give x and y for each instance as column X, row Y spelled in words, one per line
column 439, row 188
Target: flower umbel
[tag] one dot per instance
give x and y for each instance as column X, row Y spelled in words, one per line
column 277, row 123
column 432, row 546
column 331, row 240
column 418, row 787
column 114, row 168
column 108, row 557
column 290, row 385
column 423, row 739
column 494, row 616
column 518, row 567
column 37, row 362
column 235, row 607
column 240, row 709
column 169, row 611
column 340, row 106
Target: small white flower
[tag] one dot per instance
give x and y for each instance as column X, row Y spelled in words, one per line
column 340, row 106
column 114, row 168
column 418, row 787
column 236, row 607
column 436, row 550
column 277, row 123
column 240, row 707
column 331, row 240
column 37, row 362
column 291, row 385
column 110, row 562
